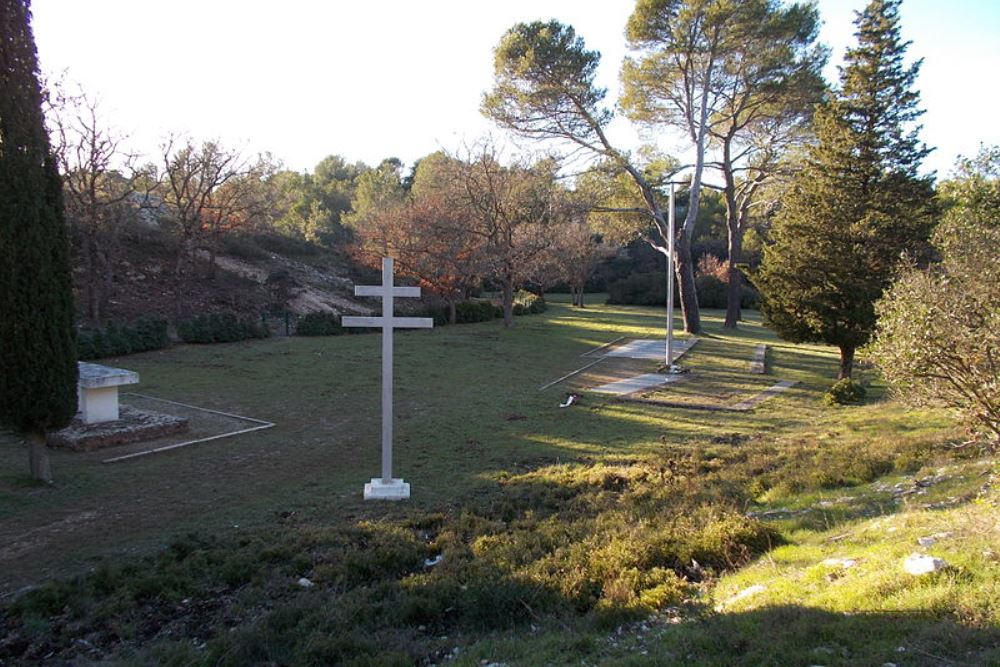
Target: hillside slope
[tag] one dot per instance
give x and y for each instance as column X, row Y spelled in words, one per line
column 253, row 274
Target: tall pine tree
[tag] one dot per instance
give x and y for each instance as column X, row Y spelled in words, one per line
column 38, row 370
column 858, row 204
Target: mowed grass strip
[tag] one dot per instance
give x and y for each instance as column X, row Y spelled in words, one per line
column 551, row 528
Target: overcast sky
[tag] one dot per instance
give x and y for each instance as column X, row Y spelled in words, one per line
column 367, row 80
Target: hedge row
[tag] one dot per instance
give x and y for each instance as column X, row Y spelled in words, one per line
column 466, row 312
column 115, row 340
column 650, row 289
column 319, row 324
column 225, row 328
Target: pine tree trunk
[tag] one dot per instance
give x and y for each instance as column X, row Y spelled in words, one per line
column 688, row 290
column 846, row 362
column 734, row 290
column 38, row 456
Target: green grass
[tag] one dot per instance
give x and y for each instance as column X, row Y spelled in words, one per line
column 606, row 533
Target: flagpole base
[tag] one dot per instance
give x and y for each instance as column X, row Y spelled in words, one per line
column 378, row 489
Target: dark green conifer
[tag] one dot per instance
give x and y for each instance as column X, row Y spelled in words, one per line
column 858, row 204
column 38, row 371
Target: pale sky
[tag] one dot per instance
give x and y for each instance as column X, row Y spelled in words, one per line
column 371, row 79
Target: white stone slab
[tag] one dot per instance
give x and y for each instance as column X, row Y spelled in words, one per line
column 97, row 398
column 93, row 376
column 634, row 384
column 652, row 349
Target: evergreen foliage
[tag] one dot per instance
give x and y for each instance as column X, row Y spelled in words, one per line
column 116, row 340
column 38, row 371
column 319, row 324
column 220, row 328
column 859, row 202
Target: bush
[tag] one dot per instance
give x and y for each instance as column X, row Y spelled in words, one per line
column 473, row 310
column 242, row 246
column 845, row 392
column 938, row 336
column 650, row 289
column 466, row 312
column 319, row 324
column 639, row 289
column 215, row 328
column 116, row 340
column 528, row 303
column 711, row 291
column 749, row 298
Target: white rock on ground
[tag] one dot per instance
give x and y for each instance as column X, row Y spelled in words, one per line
column 305, row 583
column 917, row 564
column 745, row 593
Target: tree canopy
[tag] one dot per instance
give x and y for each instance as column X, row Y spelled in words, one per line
column 38, row 369
column 858, row 204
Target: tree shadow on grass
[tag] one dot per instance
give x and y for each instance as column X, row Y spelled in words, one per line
column 795, row 635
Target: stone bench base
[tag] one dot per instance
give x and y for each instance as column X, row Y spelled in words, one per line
column 98, row 391
column 132, row 426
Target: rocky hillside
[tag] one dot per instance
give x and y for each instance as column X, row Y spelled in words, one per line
column 252, row 274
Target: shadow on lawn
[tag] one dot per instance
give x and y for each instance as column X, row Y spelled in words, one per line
column 795, row 635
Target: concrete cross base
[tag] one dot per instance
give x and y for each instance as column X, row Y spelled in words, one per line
column 397, row 489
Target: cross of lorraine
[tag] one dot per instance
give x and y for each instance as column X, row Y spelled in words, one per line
column 387, row 487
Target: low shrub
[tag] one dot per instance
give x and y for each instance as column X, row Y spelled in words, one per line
column 528, row 303
column 243, row 246
column 117, row 340
column 845, row 392
column 474, row 310
column 639, row 289
column 216, row 328
column 466, row 312
column 650, row 289
column 749, row 298
column 711, row 291
column 319, row 324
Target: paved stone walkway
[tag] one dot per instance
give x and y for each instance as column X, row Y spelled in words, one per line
column 634, row 384
column 652, row 349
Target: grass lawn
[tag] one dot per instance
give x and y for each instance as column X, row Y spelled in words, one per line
column 606, row 533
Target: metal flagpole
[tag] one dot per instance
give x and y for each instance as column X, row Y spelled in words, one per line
column 670, row 283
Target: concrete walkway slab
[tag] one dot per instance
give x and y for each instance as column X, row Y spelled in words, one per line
column 634, row 384
column 652, row 349
column 770, row 392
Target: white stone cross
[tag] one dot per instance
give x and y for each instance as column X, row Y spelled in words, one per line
column 387, row 488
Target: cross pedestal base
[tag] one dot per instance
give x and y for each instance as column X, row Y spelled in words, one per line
column 397, row 489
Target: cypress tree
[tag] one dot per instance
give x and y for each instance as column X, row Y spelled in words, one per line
column 859, row 202
column 38, row 371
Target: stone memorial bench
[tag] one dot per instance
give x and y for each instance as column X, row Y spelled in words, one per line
column 98, row 391
column 757, row 364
